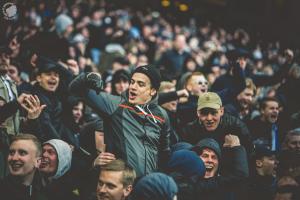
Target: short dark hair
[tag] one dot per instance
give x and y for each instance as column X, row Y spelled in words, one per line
column 118, row 165
column 263, row 102
column 24, row 136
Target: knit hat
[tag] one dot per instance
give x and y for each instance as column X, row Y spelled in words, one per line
column 64, row 156
column 154, row 186
column 187, row 163
column 62, row 22
column 208, row 143
column 209, row 100
column 152, row 73
column 46, row 65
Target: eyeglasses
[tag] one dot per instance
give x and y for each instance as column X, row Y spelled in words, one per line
column 203, row 83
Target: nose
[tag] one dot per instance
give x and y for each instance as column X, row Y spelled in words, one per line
column 209, row 117
column 102, row 189
column 14, row 157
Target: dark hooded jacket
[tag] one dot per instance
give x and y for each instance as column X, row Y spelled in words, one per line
column 136, row 134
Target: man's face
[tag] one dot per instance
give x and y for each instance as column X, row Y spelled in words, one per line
column 77, row 112
column 172, row 105
column 140, row 91
column 13, row 73
column 211, row 162
column 210, row 118
column 197, row 85
column 268, row 164
column 48, row 80
column 121, row 86
column 110, row 186
column 294, row 143
column 270, row 112
column 22, row 158
column 49, row 162
column 245, row 98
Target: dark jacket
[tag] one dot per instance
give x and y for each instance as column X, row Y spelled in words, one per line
column 233, row 174
column 12, row 189
column 139, row 136
column 194, row 131
column 262, row 187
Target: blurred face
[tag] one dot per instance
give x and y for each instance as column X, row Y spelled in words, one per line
column 48, row 80
column 172, row 105
column 140, row 91
column 211, row 162
column 245, row 98
column 3, row 68
column 268, row 165
column 180, row 42
column 77, row 112
column 110, row 186
column 121, row 86
column 197, row 85
column 13, row 73
column 49, row 160
column 210, row 118
column 22, row 158
column 270, row 112
column 294, row 143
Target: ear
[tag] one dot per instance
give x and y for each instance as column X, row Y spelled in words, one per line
column 222, row 111
column 258, row 163
column 198, row 113
column 127, row 190
column 152, row 92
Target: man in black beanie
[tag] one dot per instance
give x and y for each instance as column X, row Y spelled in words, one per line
column 136, row 129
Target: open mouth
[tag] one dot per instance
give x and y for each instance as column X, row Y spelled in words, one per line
column 16, row 166
column 203, row 90
column 132, row 95
column 52, row 83
column 209, row 167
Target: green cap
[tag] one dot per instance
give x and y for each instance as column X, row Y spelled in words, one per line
column 209, row 100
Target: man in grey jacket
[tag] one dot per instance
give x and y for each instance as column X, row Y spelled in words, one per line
column 136, row 128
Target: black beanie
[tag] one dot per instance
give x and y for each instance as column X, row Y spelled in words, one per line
column 152, row 73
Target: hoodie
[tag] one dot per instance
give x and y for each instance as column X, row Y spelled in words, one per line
column 64, row 155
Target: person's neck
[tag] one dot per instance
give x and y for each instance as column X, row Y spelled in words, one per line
column 28, row 179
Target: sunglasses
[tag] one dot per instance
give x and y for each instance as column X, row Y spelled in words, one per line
column 203, row 83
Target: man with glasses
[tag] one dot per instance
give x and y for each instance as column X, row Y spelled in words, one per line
column 213, row 123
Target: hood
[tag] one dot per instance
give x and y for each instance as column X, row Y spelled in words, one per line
column 64, row 155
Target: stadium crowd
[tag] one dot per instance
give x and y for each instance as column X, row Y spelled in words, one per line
column 109, row 103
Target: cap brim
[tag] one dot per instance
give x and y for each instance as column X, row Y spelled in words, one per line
column 210, row 105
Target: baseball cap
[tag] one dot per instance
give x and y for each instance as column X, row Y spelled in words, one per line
column 209, row 100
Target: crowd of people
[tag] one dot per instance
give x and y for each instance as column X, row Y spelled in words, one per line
column 110, row 103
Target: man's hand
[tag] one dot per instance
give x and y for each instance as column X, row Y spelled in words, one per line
column 231, row 141
column 31, row 104
column 104, row 158
column 183, row 95
column 94, row 81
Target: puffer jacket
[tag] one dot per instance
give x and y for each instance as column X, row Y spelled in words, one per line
column 137, row 134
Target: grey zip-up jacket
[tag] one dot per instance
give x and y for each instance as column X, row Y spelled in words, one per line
column 137, row 134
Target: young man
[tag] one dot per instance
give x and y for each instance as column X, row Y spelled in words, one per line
column 212, row 122
column 264, row 128
column 134, row 116
column 262, row 183
column 115, row 181
column 23, row 162
column 225, row 182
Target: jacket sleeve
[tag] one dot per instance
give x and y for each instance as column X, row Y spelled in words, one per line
column 8, row 109
column 165, row 97
column 103, row 104
column 164, row 151
column 229, row 94
column 267, row 80
column 236, row 171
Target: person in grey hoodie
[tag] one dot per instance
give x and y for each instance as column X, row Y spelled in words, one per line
column 136, row 128
column 55, row 167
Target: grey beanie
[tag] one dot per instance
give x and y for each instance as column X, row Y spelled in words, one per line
column 208, row 143
column 64, row 155
column 62, row 22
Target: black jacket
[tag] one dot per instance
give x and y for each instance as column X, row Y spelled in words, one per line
column 195, row 131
